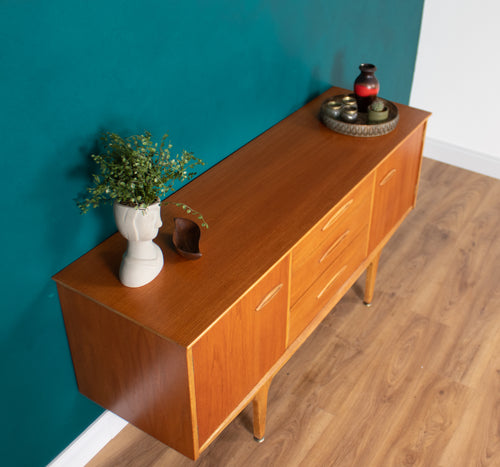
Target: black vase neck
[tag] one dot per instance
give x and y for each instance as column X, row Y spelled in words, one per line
column 367, row 68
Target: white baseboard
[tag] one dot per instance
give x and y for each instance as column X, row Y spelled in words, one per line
column 461, row 157
column 90, row 442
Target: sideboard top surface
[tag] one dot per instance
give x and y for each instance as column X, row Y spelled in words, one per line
column 259, row 203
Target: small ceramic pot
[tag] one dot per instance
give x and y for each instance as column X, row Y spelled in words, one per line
column 378, row 116
column 349, row 113
column 333, row 109
column 349, row 101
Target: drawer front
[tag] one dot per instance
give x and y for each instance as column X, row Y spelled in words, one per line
column 234, row 354
column 395, row 187
column 335, row 232
column 325, row 287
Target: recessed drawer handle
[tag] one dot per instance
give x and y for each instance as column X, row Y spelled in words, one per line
column 338, row 214
column 269, row 297
column 335, row 245
column 331, row 281
column 387, row 177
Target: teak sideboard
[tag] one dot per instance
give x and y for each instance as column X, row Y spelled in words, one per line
column 296, row 216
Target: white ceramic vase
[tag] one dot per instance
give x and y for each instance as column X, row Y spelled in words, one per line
column 143, row 260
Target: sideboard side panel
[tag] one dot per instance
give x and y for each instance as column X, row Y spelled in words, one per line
column 130, row 371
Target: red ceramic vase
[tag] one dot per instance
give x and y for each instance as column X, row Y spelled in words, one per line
column 366, row 86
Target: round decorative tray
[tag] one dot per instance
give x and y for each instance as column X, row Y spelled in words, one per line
column 360, row 127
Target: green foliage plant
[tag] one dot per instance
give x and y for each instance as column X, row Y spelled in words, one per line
column 137, row 172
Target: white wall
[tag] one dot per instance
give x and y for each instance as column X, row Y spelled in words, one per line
column 457, row 78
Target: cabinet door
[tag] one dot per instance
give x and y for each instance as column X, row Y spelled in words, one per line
column 396, row 187
column 236, row 353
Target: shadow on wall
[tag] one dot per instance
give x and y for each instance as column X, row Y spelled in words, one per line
column 69, row 230
column 316, row 85
column 81, row 176
column 337, row 73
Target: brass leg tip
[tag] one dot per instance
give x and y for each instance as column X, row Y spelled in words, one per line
column 368, row 304
column 258, row 440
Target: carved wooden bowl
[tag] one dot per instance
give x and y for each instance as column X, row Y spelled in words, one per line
column 186, row 238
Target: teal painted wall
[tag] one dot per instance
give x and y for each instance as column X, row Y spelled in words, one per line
column 214, row 74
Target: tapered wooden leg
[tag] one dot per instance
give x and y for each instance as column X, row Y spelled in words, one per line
column 371, row 274
column 260, row 412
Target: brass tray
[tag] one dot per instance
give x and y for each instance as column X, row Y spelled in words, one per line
column 361, row 127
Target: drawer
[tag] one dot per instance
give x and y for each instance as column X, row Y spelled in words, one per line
column 325, row 287
column 239, row 349
column 328, row 239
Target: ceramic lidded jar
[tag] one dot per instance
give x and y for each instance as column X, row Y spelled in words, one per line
column 366, row 86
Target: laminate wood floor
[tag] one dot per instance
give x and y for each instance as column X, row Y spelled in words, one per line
column 413, row 380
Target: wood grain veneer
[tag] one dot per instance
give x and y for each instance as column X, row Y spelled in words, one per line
column 134, row 373
column 206, row 336
column 395, row 186
column 253, row 334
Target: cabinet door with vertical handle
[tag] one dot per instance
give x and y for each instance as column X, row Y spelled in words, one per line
column 395, row 187
column 236, row 353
